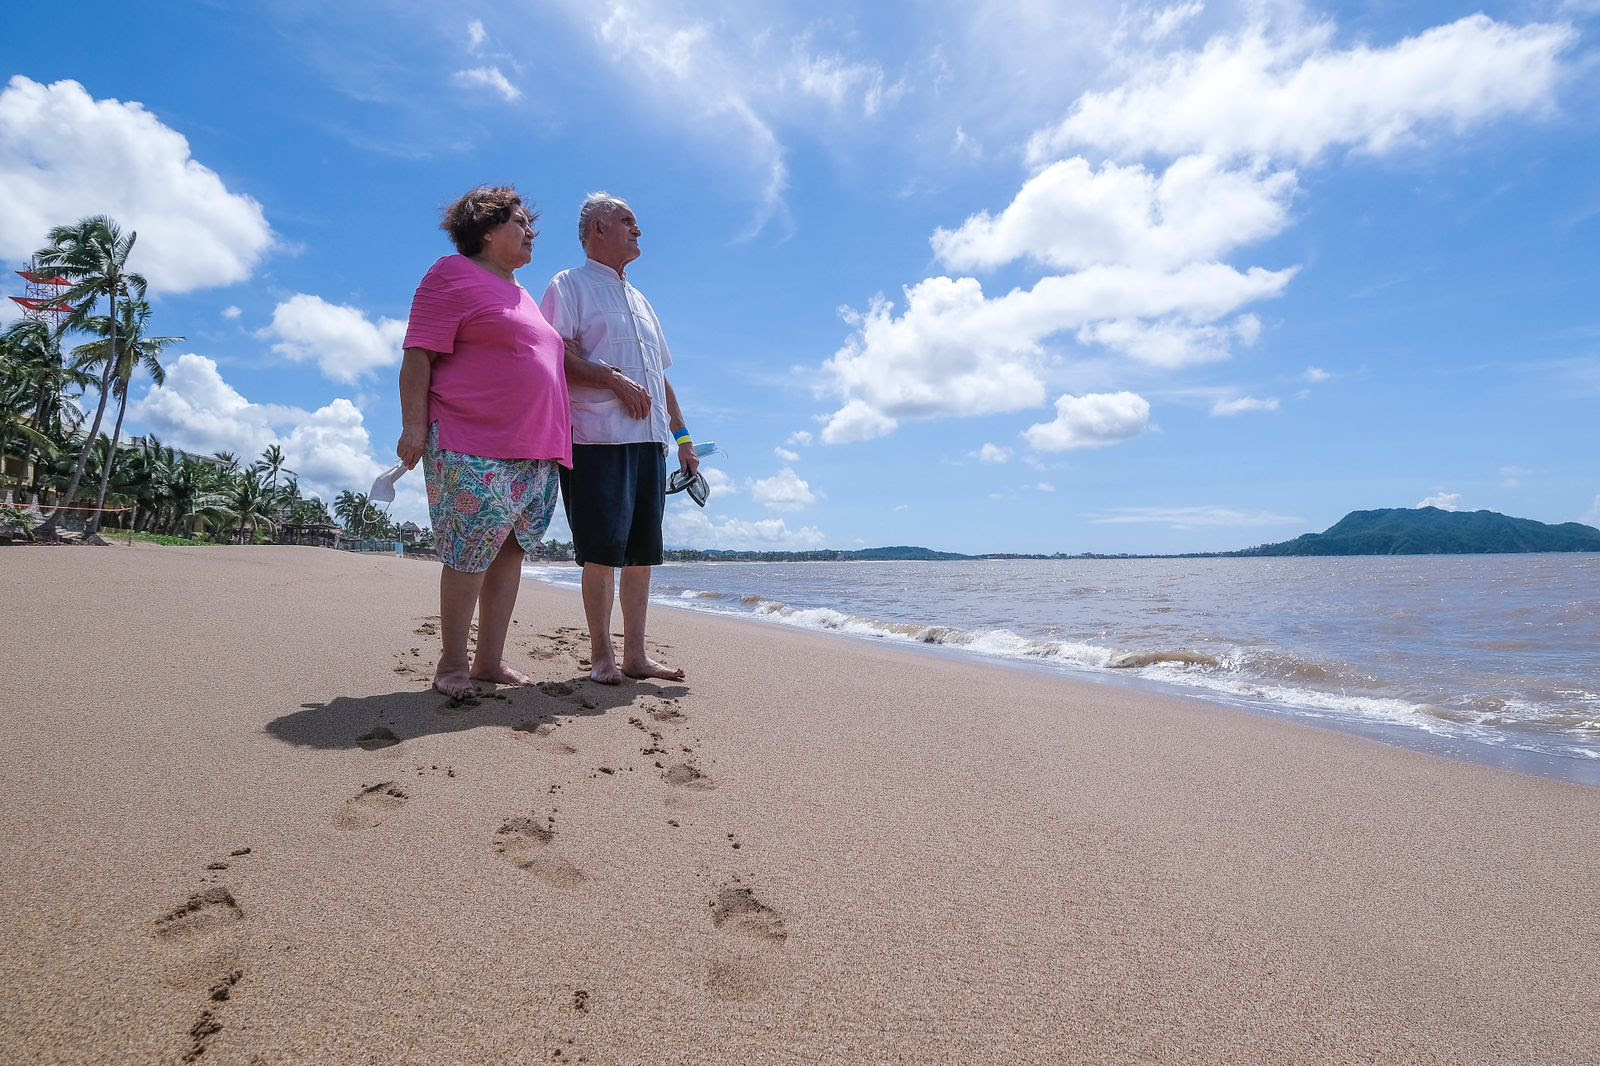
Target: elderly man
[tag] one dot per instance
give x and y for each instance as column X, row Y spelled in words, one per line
column 624, row 418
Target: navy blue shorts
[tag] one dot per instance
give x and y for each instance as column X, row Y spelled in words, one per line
column 614, row 496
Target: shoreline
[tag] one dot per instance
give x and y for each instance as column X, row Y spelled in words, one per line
column 851, row 851
column 1572, row 769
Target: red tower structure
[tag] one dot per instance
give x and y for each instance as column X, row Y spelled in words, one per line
column 41, row 293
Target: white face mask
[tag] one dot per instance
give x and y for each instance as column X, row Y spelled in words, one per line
column 383, row 487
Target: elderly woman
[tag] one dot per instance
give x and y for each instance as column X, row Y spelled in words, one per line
column 483, row 401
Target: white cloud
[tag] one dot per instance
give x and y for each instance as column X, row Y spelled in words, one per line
column 1296, row 96
column 339, row 339
column 231, row 313
column 1511, row 476
column 839, row 82
column 329, row 448
column 1044, row 486
column 1172, row 342
column 1445, row 501
column 1593, row 517
column 1071, row 216
column 700, row 81
column 1241, row 405
column 1170, row 20
column 718, row 481
column 956, row 352
column 800, row 438
column 1191, row 517
column 476, row 35
column 991, row 453
column 965, row 146
column 65, row 155
column 489, row 78
column 1092, row 421
column 783, row 491
column 786, row 455
column 1316, row 375
column 856, row 421
column 691, row 527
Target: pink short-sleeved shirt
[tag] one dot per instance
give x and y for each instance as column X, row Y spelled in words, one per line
column 499, row 388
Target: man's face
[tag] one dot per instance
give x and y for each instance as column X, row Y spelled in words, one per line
column 614, row 238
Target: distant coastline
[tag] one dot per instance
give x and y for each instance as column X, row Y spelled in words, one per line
column 1385, row 531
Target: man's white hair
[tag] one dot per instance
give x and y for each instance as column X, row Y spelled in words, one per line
column 596, row 206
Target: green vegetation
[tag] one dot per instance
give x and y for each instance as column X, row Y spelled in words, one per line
column 1430, row 531
column 180, row 542
column 54, row 465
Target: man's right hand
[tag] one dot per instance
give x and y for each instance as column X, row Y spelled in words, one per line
column 634, row 396
column 410, row 447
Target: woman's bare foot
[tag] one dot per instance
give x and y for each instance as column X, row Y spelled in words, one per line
column 454, row 681
column 605, row 671
column 651, row 668
column 502, row 675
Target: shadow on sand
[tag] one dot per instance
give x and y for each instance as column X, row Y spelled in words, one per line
column 379, row 721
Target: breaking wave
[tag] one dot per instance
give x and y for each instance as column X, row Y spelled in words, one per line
column 1568, row 725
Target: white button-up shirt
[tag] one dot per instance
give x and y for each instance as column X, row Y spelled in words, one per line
column 616, row 325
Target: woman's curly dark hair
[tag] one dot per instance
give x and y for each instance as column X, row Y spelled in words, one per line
column 480, row 211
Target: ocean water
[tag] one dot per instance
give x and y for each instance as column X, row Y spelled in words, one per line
column 1491, row 658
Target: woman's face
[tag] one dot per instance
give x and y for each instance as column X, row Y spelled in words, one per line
column 510, row 244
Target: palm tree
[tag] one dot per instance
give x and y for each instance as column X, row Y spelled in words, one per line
column 346, row 509
column 271, row 462
column 39, row 385
column 309, row 511
column 125, row 344
column 93, row 255
column 246, row 500
column 355, row 511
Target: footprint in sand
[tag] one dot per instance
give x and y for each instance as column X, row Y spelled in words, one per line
column 687, row 775
column 669, row 714
column 377, row 737
column 736, row 908
column 523, row 842
column 744, row 969
column 539, row 737
column 207, row 1026
column 371, row 807
column 201, row 914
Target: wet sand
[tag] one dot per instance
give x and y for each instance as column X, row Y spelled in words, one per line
column 239, row 828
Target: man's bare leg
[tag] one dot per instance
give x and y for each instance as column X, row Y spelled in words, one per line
column 496, row 600
column 458, row 595
column 599, row 587
column 635, row 605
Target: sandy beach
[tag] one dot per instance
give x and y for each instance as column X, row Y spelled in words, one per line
column 239, row 828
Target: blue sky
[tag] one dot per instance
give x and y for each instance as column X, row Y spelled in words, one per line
column 1012, row 276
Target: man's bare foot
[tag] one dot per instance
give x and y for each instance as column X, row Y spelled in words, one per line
column 454, row 682
column 501, row 675
column 651, row 668
column 605, row 672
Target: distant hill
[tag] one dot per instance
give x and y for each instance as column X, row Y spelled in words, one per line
column 1430, row 531
column 900, row 551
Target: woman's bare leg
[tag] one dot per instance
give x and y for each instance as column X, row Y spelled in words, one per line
column 458, row 596
column 496, row 601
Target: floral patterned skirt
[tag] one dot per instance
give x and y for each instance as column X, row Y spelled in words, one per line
column 475, row 502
